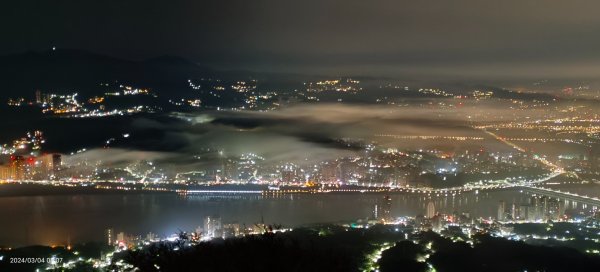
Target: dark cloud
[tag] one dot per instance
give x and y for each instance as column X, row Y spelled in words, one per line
column 297, row 134
column 460, row 38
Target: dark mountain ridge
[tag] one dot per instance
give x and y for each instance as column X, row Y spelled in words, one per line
column 67, row 70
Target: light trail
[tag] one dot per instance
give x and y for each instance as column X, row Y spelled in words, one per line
column 555, row 168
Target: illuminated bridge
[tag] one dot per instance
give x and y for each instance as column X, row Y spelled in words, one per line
column 592, row 201
column 221, row 192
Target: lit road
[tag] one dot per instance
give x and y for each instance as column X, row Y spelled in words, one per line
column 553, row 166
column 223, row 192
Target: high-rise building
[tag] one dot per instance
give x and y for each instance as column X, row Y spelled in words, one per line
column 594, row 159
column 18, row 167
column 528, row 212
column 386, row 209
column 328, row 172
column 38, row 97
column 121, row 239
column 212, row 226
column 56, row 162
column 42, row 166
column 550, row 209
column 110, row 236
column 430, row 209
column 288, row 173
column 231, row 230
column 376, row 212
column 5, row 172
column 37, row 139
column 151, row 237
column 501, row 211
column 561, row 209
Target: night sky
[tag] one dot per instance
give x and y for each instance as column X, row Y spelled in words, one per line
column 459, row 38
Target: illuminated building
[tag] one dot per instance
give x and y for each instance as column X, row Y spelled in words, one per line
column 151, row 237
column 110, row 237
column 38, row 97
column 18, row 167
column 231, row 230
column 376, row 212
column 501, row 211
column 386, row 209
column 5, row 172
column 43, row 166
column 212, row 226
column 36, row 140
column 430, row 209
column 328, row 172
column 528, row 212
column 594, row 159
column 56, row 162
column 126, row 241
column 121, row 236
column 288, row 173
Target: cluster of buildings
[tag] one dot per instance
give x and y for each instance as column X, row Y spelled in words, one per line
column 212, row 228
column 24, row 160
column 517, row 222
column 586, row 165
column 372, row 166
column 456, row 226
column 123, row 240
column 536, row 208
column 430, row 168
column 58, row 104
column 431, row 219
column 94, row 106
column 337, row 85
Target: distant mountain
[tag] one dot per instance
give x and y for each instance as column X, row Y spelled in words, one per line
column 65, row 70
column 69, row 70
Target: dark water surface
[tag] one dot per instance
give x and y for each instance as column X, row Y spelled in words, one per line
column 83, row 216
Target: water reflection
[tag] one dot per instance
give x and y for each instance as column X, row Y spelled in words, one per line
column 55, row 219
